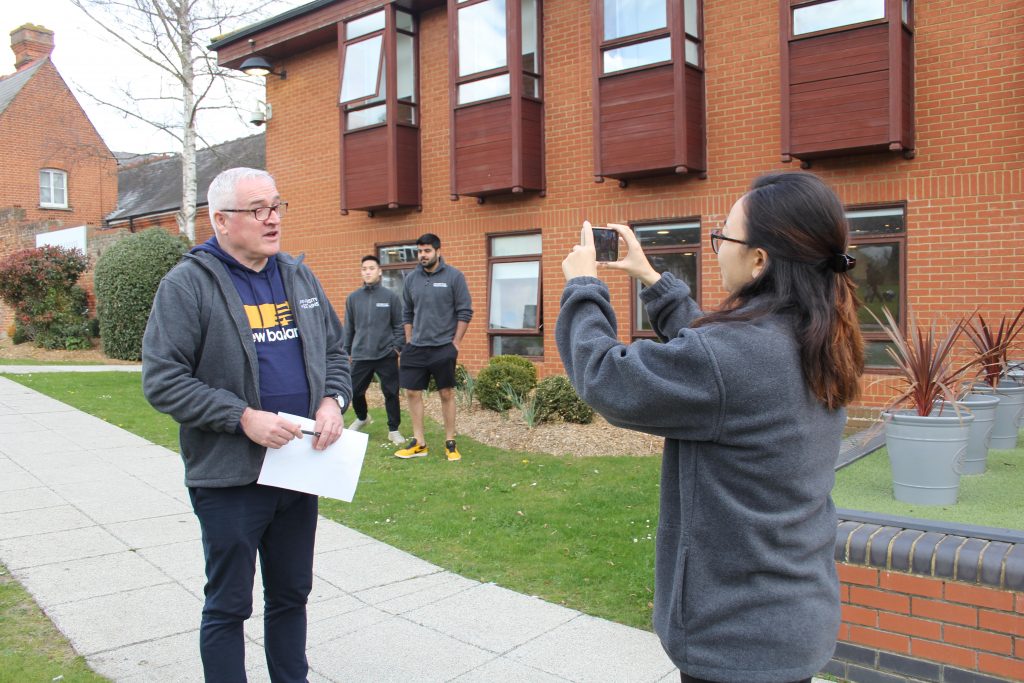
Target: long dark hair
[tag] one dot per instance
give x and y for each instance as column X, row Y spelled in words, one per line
column 801, row 225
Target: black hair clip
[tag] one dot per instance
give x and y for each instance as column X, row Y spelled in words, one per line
column 841, row 263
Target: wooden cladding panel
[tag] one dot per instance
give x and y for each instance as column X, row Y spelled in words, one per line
column 533, row 145
column 408, row 166
column 637, row 121
column 908, row 132
column 483, row 147
column 839, row 92
column 696, row 156
column 366, row 182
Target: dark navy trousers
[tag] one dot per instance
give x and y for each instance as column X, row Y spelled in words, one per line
column 239, row 522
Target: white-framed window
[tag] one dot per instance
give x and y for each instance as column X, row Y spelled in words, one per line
column 53, row 188
column 514, row 318
column 397, row 261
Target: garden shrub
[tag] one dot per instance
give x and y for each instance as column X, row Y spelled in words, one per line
column 505, row 374
column 556, row 398
column 49, row 308
column 127, row 276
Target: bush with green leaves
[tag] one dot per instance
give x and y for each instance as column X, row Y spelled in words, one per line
column 503, row 380
column 127, row 276
column 556, row 398
column 49, row 308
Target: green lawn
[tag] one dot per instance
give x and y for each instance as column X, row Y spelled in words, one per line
column 34, row 361
column 31, row 648
column 576, row 531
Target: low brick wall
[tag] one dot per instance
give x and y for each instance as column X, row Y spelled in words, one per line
column 928, row 601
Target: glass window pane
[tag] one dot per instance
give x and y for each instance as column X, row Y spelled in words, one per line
column 518, row 346
column 484, row 89
column 905, row 11
column 361, row 118
column 45, row 197
column 876, row 356
column 362, row 74
column 630, row 56
column 681, row 264
column 406, row 113
column 692, row 52
column 690, row 17
column 363, row 25
column 834, row 14
column 875, row 222
column 394, row 279
column 406, row 79
column 482, row 33
column 58, row 181
column 515, row 245
column 529, row 17
column 401, row 253
column 627, row 17
column 668, row 234
column 404, row 22
column 514, row 288
column 878, row 281
column 531, row 86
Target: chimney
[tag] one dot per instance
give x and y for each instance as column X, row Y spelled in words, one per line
column 29, row 43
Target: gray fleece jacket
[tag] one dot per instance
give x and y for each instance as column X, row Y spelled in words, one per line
column 745, row 582
column 373, row 323
column 199, row 362
column 434, row 303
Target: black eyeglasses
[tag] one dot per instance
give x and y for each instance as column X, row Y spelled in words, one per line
column 717, row 237
column 263, row 213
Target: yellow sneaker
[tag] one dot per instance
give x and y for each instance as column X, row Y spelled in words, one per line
column 413, row 449
column 452, row 451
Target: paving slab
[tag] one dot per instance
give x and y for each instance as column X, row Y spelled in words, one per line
column 500, row 670
column 34, row 369
column 29, row 499
column 119, row 499
column 91, row 577
column 32, row 523
column 365, row 566
column 59, row 546
column 13, row 481
column 413, row 594
column 157, row 531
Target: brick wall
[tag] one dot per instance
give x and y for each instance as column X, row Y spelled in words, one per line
column 936, row 604
column 963, row 191
column 44, row 127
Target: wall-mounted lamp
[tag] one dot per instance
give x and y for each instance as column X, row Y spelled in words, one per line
column 261, row 113
column 258, row 66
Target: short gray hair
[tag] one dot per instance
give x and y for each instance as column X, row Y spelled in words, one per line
column 221, row 194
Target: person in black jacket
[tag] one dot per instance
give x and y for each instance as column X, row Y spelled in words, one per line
column 373, row 339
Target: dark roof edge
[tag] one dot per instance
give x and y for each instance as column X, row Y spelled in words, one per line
column 252, row 29
column 149, row 214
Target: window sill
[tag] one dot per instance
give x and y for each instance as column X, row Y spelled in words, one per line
column 47, row 207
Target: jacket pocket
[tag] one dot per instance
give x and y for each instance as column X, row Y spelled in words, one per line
column 679, row 586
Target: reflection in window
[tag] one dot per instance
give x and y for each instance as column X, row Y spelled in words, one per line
column 364, row 74
column 514, row 295
column 834, row 14
column 53, row 188
column 361, row 118
column 878, row 242
column 364, row 25
column 639, row 54
column 395, row 262
column 482, row 34
column 529, row 19
column 484, row 89
column 628, row 17
column 671, row 248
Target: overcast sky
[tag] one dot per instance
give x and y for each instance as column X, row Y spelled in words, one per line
column 93, row 63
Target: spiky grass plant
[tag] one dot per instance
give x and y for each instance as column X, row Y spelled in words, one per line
column 993, row 344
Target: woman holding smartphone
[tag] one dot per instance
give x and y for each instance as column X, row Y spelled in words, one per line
column 750, row 399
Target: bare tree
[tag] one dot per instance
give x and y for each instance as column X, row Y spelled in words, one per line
column 172, row 35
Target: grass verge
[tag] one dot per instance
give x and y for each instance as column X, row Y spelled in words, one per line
column 31, row 648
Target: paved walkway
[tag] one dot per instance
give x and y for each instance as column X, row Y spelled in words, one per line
column 95, row 522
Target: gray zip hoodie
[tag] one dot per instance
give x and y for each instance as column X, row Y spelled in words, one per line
column 373, row 323
column 199, row 362
column 434, row 303
column 745, row 581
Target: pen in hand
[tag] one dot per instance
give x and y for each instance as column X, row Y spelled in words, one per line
column 306, row 431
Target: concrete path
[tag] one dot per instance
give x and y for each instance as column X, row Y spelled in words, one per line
column 95, row 522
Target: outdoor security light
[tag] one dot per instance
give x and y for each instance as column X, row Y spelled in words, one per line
column 258, row 66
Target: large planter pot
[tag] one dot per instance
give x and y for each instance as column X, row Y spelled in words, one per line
column 1008, row 412
column 979, row 435
column 926, row 455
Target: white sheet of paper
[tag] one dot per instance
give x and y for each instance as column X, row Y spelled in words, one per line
column 332, row 472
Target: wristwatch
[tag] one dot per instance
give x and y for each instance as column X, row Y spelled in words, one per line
column 340, row 400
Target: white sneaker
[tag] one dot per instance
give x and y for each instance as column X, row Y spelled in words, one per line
column 396, row 437
column 358, row 424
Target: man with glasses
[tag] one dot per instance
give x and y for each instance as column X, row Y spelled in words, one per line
column 239, row 333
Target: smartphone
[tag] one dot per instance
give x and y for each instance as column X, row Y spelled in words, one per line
column 606, row 243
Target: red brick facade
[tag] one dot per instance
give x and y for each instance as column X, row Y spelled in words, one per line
column 44, row 127
column 962, row 192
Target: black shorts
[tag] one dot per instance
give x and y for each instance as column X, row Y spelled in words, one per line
column 418, row 363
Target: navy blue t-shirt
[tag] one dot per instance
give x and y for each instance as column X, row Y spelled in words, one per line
column 283, row 382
